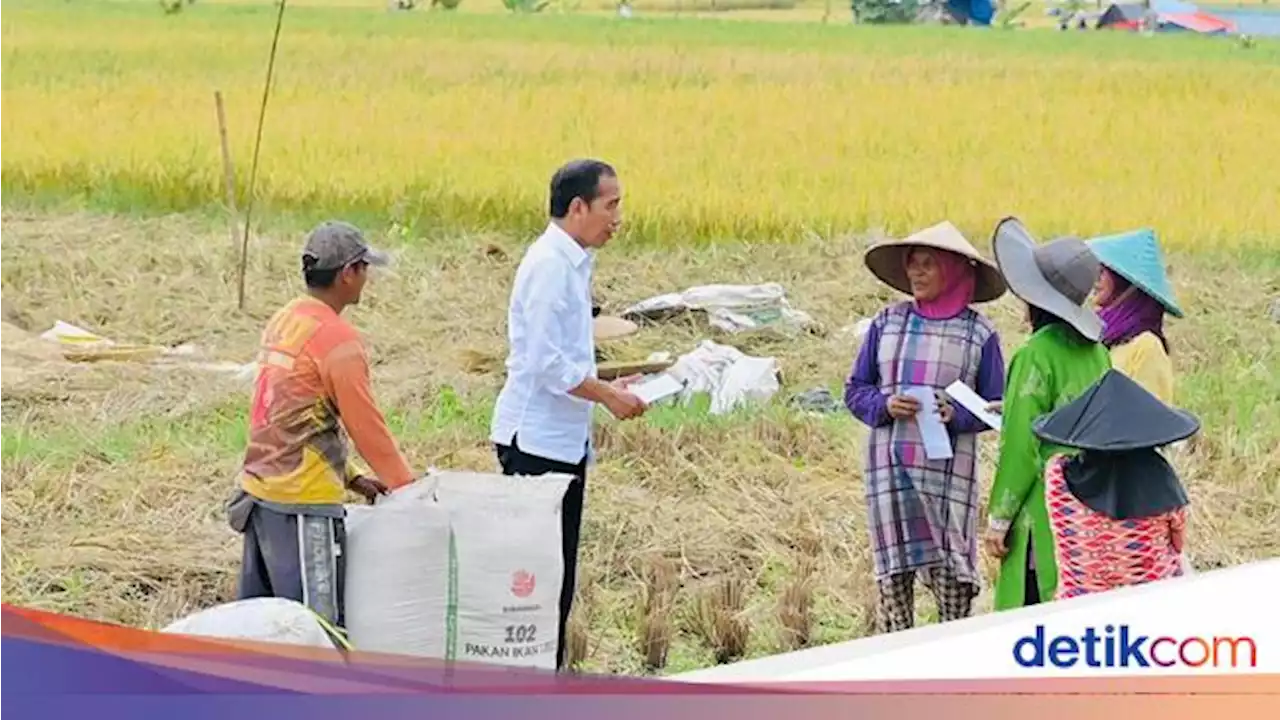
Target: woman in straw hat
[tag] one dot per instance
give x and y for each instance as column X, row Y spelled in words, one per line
column 1133, row 295
column 1060, row 360
column 922, row 513
column 1117, row 508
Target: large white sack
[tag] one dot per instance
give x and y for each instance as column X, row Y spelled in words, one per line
column 397, row 577
column 278, row 620
column 356, row 515
column 459, row 566
column 509, row 565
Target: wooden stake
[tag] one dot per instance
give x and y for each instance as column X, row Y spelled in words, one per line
column 228, row 170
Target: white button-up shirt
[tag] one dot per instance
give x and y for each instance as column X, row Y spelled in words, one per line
column 552, row 350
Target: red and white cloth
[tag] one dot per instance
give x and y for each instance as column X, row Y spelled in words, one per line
column 1096, row 553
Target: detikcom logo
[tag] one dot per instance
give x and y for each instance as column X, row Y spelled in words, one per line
column 1123, row 647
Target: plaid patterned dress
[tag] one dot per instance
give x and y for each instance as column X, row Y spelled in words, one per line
column 923, row 513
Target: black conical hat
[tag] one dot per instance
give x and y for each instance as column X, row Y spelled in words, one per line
column 1116, row 414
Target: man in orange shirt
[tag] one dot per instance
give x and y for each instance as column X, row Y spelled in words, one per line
column 312, row 390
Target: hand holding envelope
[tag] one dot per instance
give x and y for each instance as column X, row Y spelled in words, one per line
column 933, row 431
column 985, row 410
column 657, row 388
column 932, row 412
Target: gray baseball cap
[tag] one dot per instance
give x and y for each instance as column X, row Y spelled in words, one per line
column 334, row 244
column 1056, row 277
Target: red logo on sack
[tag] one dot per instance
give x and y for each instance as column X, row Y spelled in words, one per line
column 521, row 584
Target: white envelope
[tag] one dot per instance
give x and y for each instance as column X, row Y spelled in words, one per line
column 933, row 433
column 657, row 388
column 974, row 403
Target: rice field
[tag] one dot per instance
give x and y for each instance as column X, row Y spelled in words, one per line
column 721, row 130
column 749, row 152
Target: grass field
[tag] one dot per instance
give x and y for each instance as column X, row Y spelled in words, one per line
column 437, row 132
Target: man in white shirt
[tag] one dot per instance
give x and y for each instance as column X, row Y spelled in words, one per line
column 542, row 420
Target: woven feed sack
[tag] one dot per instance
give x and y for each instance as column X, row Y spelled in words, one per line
column 397, row 576
column 506, row 567
column 275, row 620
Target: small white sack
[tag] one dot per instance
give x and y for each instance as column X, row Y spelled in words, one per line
column 749, row 380
column 703, row 368
column 731, row 308
column 729, row 376
column 277, row 620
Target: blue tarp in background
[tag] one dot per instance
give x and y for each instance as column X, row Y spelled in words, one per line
column 979, row 12
column 1249, row 20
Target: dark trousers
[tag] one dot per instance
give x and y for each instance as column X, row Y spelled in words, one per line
column 1031, row 589
column 305, row 564
column 514, row 461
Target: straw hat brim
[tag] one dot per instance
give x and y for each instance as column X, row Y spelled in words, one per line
column 608, row 327
column 887, row 260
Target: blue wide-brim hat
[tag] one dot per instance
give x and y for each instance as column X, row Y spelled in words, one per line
column 1136, row 257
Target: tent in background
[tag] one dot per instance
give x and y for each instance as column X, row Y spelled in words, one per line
column 1168, row 16
column 1123, row 16
column 1198, row 22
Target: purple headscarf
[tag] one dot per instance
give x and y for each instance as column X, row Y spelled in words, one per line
column 1130, row 316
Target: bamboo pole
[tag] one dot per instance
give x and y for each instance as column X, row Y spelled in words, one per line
column 228, row 169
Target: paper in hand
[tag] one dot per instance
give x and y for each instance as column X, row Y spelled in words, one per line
column 655, row 389
column 933, row 433
column 974, row 403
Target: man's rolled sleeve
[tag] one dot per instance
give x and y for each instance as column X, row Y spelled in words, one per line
column 568, row 378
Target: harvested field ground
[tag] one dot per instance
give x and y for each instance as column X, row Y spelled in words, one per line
column 114, row 475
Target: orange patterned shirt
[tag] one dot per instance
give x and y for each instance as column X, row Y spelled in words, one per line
column 312, row 390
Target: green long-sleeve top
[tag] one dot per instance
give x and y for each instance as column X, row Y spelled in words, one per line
column 1050, row 370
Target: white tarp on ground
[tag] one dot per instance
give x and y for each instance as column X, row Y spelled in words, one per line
column 1163, row 623
column 731, row 308
column 732, row 378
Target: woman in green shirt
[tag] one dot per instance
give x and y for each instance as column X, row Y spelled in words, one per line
column 1060, row 360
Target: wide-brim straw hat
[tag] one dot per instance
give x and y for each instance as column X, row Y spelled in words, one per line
column 887, row 260
column 608, row 327
column 1056, row 277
